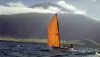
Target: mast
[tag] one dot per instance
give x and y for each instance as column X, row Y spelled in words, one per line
column 58, row 28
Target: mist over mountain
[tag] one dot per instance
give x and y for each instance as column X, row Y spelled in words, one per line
column 47, row 5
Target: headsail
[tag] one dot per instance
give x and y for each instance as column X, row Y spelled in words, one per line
column 53, row 32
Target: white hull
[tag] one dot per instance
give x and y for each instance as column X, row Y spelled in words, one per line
column 98, row 54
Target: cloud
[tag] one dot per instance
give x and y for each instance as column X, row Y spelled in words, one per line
column 16, row 4
column 63, row 4
column 50, row 9
column 19, row 7
column 79, row 12
column 42, row 10
column 16, row 10
column 54, row 9
column 93, row 0
column 67, row 6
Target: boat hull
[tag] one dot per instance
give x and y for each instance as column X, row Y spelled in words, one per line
column 62, row 48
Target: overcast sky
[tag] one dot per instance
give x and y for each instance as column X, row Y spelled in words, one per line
column 89, row 8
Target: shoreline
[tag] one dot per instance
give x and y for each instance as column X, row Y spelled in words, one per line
column 34, row 40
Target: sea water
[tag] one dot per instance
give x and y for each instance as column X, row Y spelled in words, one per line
column 20, row 49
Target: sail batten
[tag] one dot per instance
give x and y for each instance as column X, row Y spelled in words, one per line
column 53, row 32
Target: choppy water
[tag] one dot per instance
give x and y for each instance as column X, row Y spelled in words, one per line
column 18, row 49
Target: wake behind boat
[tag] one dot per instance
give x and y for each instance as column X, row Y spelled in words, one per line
column 54, row 36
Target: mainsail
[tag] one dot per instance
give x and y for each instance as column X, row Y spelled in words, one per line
column 53, row 32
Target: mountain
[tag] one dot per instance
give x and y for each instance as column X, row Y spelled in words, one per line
column 30, row 25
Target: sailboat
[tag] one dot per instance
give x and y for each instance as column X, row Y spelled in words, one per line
column 54, row 36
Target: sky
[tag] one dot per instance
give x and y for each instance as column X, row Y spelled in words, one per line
column 89, row 8
column 26, row 2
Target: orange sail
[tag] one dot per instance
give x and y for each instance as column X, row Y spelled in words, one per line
column 53, row 32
